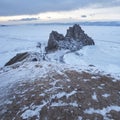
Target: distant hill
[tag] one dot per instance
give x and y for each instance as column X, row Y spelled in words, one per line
column 99, row 23
column 112, row 23
column 104, row 23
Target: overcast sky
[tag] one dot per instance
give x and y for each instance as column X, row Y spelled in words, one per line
column 50, row 8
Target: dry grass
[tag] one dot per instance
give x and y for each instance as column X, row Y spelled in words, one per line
column 33, row 93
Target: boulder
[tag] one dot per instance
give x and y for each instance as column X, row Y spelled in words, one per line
column 76, row 33
column 23, row 57
column 74, row 39
column 53, row 42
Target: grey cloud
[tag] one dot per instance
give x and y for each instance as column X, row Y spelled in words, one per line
column 26, row 19
column 23, row 7
column 83, row 16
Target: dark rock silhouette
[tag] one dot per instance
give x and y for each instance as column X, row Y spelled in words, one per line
column 23, row 57
column 78, row 34
column 54, row 38
column 74, row 39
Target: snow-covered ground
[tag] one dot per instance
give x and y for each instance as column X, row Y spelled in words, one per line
column 20, row 38
column 105, row 55
column 68, row 79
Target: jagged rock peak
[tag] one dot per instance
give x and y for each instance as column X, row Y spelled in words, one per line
column 54, row 38
column 74, row 32
column 74, row 39
column 78, row 34
column 57, row 36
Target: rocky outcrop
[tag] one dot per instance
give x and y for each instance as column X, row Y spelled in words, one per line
column 74, row 39
column 54, row 38
column 76, row 33
column 23, row 57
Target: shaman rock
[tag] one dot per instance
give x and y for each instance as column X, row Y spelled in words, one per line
column 74, row 39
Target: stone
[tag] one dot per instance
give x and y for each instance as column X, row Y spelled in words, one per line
column 19, row 57
column 76, row 33
column 74, row 39
column 23, row 57
column 54, row 38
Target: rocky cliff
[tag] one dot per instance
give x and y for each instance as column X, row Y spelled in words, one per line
column 74, row 39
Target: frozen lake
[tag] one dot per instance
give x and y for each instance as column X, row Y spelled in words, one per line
column 105, row 54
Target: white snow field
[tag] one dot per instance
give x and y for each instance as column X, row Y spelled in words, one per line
column 105, row 55
column 20, row 38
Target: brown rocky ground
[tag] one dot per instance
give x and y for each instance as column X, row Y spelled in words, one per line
column 69, row 96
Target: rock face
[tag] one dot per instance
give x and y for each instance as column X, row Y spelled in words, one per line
column 76, row 33
column 74, row 39
column 54, row 38
column 23, row 57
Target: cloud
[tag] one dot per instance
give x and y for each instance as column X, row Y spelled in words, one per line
column 26, row 19
column 83, row 16
column 25, row 7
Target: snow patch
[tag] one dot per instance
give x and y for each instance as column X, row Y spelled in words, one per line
column 106, row 95
column 60, row 103
column 103, row 111
column 70, row 94
column 42, row 94
column 62, row 94
column 28, row 71
column 54, row 82
column 80, row 118
column 34, row 112
column 95, row 77
column 59, row 95
column 100, row 87
column 86, row 80
column 94, row 96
